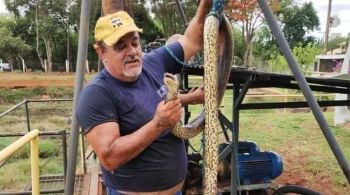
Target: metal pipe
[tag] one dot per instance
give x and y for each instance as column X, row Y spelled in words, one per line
column 26, row 107
column 235, row 133
column 12, row 108
column 81, row 59
column 27, row 115
column 33, row 138
column 23, row 133
column 326, row 34
column 82, row 154
column 30, row 192
column 64, row 151
column 182, row 14
column 9, row 150
column 50, row 100
column 34, row 162
column 300, row 78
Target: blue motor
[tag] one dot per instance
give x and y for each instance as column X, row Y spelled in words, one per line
column 259, row 167
column 254, row 166
column 247, row 147
column 243, row 147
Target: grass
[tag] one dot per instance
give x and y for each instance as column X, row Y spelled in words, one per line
column 45, row 116
column 13, row 96
column 298, row 138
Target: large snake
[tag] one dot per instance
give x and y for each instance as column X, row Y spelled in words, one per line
column 224, row 62
column 218, row 51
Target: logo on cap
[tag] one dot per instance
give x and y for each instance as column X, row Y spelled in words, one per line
column 116, row 22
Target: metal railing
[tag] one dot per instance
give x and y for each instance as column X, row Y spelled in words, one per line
column 25, row 103
column 33, row 138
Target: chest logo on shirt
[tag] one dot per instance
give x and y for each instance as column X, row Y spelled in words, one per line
column 162, row 91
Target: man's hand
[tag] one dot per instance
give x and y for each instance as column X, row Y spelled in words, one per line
column 197, row 95
column 168, row 114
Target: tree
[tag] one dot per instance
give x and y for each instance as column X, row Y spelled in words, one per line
column 335, row 41
column 297, row 22
column 304, row 55
column 250, row 17
column 167, row 15
column 47, row 19
column 142, row 19
column 12, row 48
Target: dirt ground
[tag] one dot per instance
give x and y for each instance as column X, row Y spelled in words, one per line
column 291, row 175
column 31, row 80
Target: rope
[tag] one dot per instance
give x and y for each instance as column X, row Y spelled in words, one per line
column 171, row 53
column 217, row 9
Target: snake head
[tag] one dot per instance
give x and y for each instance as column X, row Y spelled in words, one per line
column 171, row 83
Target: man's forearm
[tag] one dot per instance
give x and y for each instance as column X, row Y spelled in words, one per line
column 127, row 147
column 193, row 36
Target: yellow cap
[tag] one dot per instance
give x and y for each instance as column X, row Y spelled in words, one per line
column 112, row 27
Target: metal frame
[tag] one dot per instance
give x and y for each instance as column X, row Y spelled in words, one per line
column 32, row 138
column 301, row 82
column 241, row 80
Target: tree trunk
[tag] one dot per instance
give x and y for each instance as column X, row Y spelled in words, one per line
column 24, row 67
column 48, row 53
column 37, row 39
column 68, row 49
column 248, row 53
column 111, row 6
column 11, row 63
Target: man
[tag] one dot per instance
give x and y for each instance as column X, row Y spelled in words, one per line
column 122, row 110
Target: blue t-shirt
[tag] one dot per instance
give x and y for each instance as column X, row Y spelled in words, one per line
column 105, row 99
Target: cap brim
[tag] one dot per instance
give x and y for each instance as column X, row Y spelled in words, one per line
column 114, row 37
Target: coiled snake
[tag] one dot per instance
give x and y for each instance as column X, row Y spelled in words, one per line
column 218, row 50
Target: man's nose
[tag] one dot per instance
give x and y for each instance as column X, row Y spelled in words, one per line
column 131, row 50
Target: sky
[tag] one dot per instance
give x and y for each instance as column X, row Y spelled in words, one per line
column 2, row 6
column 339, row 7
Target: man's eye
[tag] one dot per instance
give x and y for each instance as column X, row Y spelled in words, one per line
column 135, row 44
column 119, row 46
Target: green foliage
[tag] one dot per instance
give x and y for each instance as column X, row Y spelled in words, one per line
column 142, row 19
column 238, row 45
column 298, row 21
column 11, row 47
column 167, row 14
column 47, row 149
column 264, row 44
column 15, row 173
column 7, row 21
column 59, row 92
column 16, row 95
column 334, row 42
column 305, row 57
column 52, row 20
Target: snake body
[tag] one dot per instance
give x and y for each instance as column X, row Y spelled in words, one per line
column 224, row 61
column 218, row 50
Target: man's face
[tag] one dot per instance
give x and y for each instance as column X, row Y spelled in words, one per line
column 124, row 59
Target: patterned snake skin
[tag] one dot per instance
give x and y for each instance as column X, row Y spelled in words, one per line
column 218, row 50
column 225, row 51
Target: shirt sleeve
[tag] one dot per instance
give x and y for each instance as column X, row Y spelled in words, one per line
column 95, row 106
column 162, row 57
column 172, row 62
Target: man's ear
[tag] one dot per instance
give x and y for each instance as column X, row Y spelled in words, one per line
column 98, row 50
